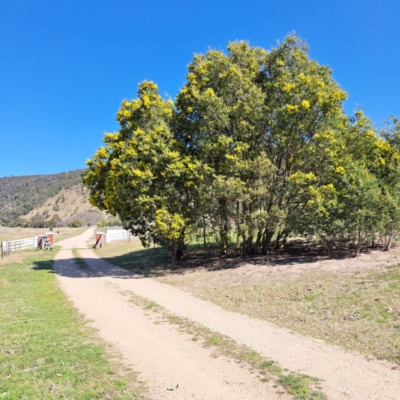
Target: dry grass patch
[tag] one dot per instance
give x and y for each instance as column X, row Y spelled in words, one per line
column 357, row 310
column 65, row 203
column 20, row 233
column 23, row 233
column 66, row 233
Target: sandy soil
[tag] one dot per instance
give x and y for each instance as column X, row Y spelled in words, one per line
column 165, row 357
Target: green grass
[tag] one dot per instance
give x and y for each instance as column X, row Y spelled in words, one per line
column 298, row 386
column 131, row 255
column 46, row 351
column 302, row 387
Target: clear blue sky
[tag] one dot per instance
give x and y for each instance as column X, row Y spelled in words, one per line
column 65, row 66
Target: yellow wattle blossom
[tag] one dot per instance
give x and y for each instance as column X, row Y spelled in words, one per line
column 146, row 100
column 280, row 63
column 339, row 95
column 380, row 144
column 288, row 87
column 303, row 78
column 370, row 134
column 305, row 104
column 102, row 153
column 209, row 92
column 339, row 170
column 291, row 108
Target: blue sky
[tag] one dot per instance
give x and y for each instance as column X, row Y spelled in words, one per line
column 66, row 65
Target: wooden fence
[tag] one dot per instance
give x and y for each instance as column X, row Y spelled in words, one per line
column 17, row 245
column 112, row 235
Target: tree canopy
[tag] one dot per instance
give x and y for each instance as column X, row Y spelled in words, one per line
column 256, row 147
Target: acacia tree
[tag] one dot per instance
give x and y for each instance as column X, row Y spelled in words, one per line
column 256, row 146
column 388, row 154
column 140, row 174
column 247, row 104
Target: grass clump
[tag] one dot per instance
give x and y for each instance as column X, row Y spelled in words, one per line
column 297, row 385
column 46, row 352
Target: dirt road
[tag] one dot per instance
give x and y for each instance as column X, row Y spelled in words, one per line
column 164, row 357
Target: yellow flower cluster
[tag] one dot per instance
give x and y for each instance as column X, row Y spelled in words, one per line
column 288, row 87
column 291, row 108
column 209, row 92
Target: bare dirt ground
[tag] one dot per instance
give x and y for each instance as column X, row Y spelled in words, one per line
column 163, row 356
column 166, row 357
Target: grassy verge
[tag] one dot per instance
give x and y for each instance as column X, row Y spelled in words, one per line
column 46, row 352
column 133, row 256
column 359, row 311
column 302, row 387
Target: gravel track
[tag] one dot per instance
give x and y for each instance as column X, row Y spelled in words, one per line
column 164, row 357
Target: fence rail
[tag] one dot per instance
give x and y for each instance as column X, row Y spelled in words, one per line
column 117, row 234
column 18, row 245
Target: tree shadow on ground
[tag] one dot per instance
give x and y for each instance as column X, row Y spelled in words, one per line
column 43, row 266
column 156, row 262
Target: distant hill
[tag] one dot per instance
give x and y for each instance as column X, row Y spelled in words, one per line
column 21, row 194
column 66, row 206
column 48, row 201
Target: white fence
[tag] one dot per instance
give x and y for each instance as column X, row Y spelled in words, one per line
column 17, row 245
column 113, row 235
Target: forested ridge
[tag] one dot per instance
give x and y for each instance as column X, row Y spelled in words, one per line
column 255, row 148
column 21, row 194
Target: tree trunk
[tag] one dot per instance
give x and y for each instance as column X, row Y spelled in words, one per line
column 174, row 248
column 389, row 243
column 267, row 241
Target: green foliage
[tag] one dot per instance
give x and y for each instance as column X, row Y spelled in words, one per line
column 109, row 222
column 77, row 223
column 256, row 147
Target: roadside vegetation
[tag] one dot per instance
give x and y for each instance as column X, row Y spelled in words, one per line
column 46, row 350
column 356, row 308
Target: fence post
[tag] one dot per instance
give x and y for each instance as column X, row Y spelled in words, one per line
column 2, row 250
